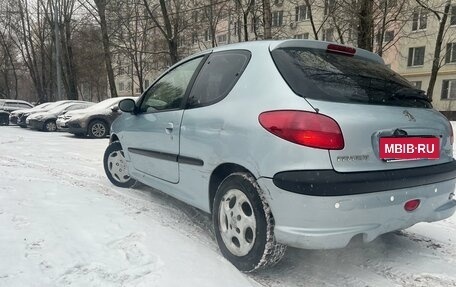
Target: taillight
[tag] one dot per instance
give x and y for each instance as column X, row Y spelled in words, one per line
column 304, row 128
column 339, row 49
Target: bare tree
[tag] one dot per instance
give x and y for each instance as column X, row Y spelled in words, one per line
column 442, row 16
column 170, row 20
column 99, row 12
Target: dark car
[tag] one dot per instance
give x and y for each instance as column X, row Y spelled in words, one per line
column 46, row 121
column 22, row 120
column 96, row 121
column 13, row 105
column 17, row 114
column 8, row 106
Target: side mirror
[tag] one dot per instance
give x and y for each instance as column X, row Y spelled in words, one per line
column 127, row 105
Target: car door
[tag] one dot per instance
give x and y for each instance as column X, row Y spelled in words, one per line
column 151, row 137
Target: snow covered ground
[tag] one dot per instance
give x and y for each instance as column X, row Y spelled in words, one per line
column 62, row 223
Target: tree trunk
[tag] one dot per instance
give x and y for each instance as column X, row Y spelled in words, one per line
column 101, row 6
column 267, row 19
column 312, row 22
column 365, row 37
column 438, row 49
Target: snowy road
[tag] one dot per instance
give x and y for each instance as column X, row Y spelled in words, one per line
column 62, row 223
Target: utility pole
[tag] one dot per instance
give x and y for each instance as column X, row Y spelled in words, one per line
column 57, row 51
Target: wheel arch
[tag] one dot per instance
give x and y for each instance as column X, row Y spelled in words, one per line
column 113, row 138
column 219, row 174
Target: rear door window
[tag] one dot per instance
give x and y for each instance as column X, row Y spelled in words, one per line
column 217, row 77
column 317, row 74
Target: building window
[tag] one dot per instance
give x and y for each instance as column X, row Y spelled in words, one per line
column 207, row 35
column 453, row 15
column 121, row 86
column 277, row 18
column 328, row 35
column 416, row 84
column 254, row 25
column 194, row 38
column 449, row 89
column 302, row 13
column 415, row 56
column 278, row 2
column 388, row 37
column 450, row 56
column 302, row 36
column 329, row 6
column 419, row 21
column 221, row 38
column 195, row 16
column 146, row 84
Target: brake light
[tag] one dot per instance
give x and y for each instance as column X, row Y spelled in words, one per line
column 304, row 128
column 339, row 49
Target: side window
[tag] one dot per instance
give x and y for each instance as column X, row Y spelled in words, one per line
column 217, row 77
column 23, row 106
column 168, row 92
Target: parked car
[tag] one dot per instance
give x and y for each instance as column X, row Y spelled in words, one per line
column 7, row 106
column 95, row 121
column 46, row 121
column 14, row 116
column 62, row 120
column 22, row 120
column 281, row 141
column 13, row 105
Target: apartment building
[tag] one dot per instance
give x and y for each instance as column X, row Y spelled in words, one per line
column 405, row 38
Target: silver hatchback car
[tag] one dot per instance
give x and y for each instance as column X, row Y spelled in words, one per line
column 288, row 143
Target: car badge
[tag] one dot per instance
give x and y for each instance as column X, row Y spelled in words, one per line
column 409, row 116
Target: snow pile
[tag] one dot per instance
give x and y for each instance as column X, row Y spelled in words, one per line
column 62, row 223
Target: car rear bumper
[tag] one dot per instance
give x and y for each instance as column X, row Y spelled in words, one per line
column 326, row 222
column 333, row 183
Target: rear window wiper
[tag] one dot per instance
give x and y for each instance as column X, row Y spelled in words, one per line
column 410, row 93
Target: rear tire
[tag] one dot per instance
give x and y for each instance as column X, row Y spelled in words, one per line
column 98, row 129
column 115, row 166
column 243, row 223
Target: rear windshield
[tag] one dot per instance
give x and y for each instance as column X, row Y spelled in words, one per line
column 317, row 74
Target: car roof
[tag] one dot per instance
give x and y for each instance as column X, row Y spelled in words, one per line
column 14, row 101
column 276, row 44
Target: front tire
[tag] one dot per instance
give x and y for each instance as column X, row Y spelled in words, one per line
column 50, row 126
column 98, row 129
column 115, row 166
column 244, row 226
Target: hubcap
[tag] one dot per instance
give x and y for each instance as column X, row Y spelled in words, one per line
column 51, row 126
column 117, row 166
column 237, row 222
column 98, row 130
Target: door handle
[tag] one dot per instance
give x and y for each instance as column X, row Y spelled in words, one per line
column 169, row 128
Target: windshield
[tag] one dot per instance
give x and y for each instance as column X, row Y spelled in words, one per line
column 317, row 74
column 60, row 108
column 104, row 104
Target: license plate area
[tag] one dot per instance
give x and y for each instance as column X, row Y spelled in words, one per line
column 409, row 148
